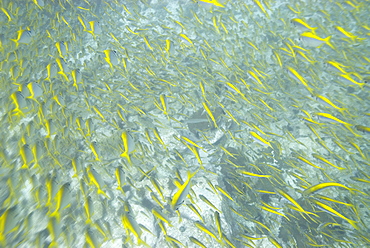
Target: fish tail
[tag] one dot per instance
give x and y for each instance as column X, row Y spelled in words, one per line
column 190, row 175
column 16, row 42
column 55, row 214
column 353, row 223
column 53, row 244
column 101, row 192
column 120, row 189
column 2, row 239
column 327, row 41
column 108, row 61
column 24, row 166
column 142, row 242
column 127, row 156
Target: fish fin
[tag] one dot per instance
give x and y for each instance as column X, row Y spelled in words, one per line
column 55, row 214
column 327, row 41
column 101, row 192
column 127, row 156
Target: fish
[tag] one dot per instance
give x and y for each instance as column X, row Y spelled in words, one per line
column 33, row 90
column 312, row 40
column 259, row 139
column 330, row 118
column 24, row 36
column 131, row 226
column 95, row 27
column 294, row 74
column 7, row 14
column 336, row 66
column 19, row 102
column 363, row 128
column 217, row 3
column 195, row 210
column 326, row 161
column 197, row 242
column 250, row 174
column 52, row 71
column 26, row 155
column 120, row 176
column 161, row 217
column 302, row 25
column 62, row 48
column 204, row 199
column 204, row 229
column 334, row 212
column 218, row 224
column 63, row 200
column 209, row 112
column 95, row 179
column 94, row 149
column 179, row 197
column 111, row 58
column 224, row 192
column 157, row 187
column 77, row 77
column 347, row 34
column 348, row 78
column 89, row 209
column 295, row 203
column 321, row 186
column 128, row 146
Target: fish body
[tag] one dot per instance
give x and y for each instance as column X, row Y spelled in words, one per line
column 182, row 192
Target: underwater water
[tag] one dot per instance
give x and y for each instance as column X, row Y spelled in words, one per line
column 212, row 123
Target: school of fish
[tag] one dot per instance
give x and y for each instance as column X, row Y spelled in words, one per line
column 184, row 123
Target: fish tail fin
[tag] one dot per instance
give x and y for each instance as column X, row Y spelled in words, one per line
column 82, row 22
column 109, row 63
column 88, row 221
column 120, row 189
column 2, row 240
column 327, row 41
column 190, row 175
column 53, row 244
column 353, row 223
column 127, row 156
column 55, row 214
column 101, row 192
column 16, row 42
column 218, row 3
column 142, row 242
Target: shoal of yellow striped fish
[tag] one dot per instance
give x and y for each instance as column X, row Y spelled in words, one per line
column 218, row 123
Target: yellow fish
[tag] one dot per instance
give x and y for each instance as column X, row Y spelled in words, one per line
column 24, row 36
column 214, row 2
column 182, row 192
column 321, row 186
column 312, row 40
